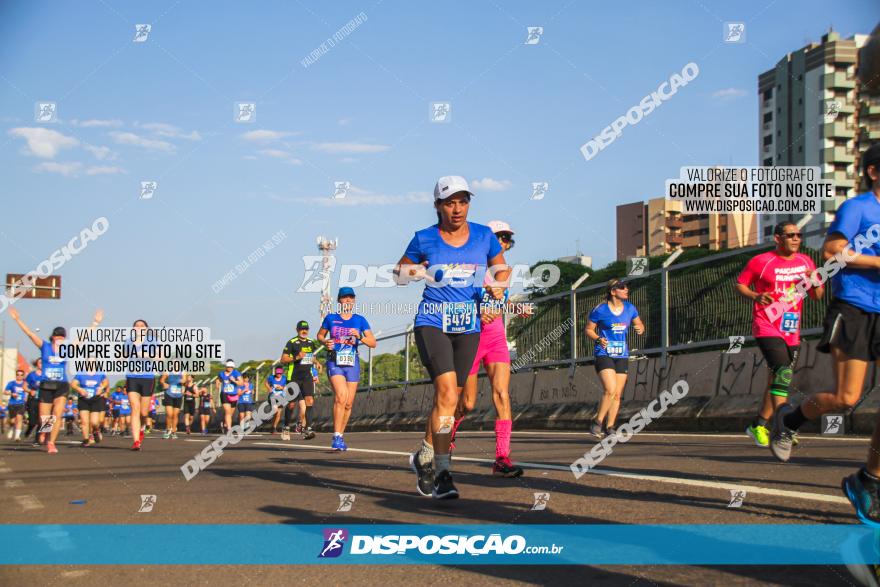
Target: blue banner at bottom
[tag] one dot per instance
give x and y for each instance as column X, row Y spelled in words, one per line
column 600, row 544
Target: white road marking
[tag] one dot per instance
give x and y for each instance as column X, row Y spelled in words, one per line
column 28, row 502
column 5, row 470
column 10, row 483
column 637, row 476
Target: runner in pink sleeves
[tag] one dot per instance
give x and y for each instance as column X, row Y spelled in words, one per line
column 767, row 278
column 494, row 355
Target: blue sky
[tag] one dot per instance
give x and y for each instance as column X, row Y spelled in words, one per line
column 163, row 110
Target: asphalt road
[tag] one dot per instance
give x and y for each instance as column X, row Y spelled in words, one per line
column 654, row 479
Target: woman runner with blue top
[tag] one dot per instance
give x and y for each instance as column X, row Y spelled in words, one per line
column 17, row 392
column 228, row 384
column 91, row 387
column 54, row 385
column 140, row 383
column 275, row 385
column 246, row 399
column 608, row 325
column 172, row 399
column 71, row 410
column 452, row 256
column 206, row 407
column 341, row 333
column 4, row 412
column 124, row 405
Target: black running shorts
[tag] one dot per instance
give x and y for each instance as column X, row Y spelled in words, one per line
column 619, row 364
column 49, row 390
column 442, row 352
column 777, row 353
column 189, row 406
column 306, row 385
column 16, row 410
column 141, row 385
column 172, row 402
column 88, row 404
column 851, row 330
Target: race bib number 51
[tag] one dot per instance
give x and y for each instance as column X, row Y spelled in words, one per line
column 790, row 322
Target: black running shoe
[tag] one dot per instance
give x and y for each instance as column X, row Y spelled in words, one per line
column 424, row 475
column 596, row 429
column 610, row 431
column 308, row 434
column 504, row 468
column 443, row 486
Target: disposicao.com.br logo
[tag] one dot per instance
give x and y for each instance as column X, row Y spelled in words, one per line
column 431, row 544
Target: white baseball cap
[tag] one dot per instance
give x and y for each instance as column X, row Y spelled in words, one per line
column 230, row 363
column 499, row 226
column 450, row 184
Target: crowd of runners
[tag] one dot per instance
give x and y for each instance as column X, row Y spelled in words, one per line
column 459, row 327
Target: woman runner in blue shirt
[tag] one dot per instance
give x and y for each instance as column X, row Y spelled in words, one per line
column 341, row 333
column 172, row 399
column 55, row 385
column 608, row 325
column 452, row 256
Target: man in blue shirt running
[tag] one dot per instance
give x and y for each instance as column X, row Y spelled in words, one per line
column 851, row 333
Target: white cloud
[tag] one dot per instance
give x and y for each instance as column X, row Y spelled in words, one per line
column 104, row 170
column 276, row 153
column 43, row 142
column 265, row 135
column 283, row 155
column 729, row 93
column 360, row 197
column 343, row 121
column 170, row 131
column 65, row 169
column 350, row 147
column 129, row 138
column 93, row 122
column 73, row 169
column 100, row 153
column 487, row 184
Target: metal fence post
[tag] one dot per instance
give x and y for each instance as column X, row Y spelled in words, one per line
column 406, row 355
column 370, row 370
column 574, row 337
column 664, row 306
column 664, row 314
column 573, row 316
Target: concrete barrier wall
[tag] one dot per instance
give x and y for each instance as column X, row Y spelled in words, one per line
column 725, row 392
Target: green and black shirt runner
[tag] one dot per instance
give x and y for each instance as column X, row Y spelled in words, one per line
column 299, row 357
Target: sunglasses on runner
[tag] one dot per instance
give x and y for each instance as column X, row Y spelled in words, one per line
column 792, row 235
column 506, row 237
column 620, row 286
